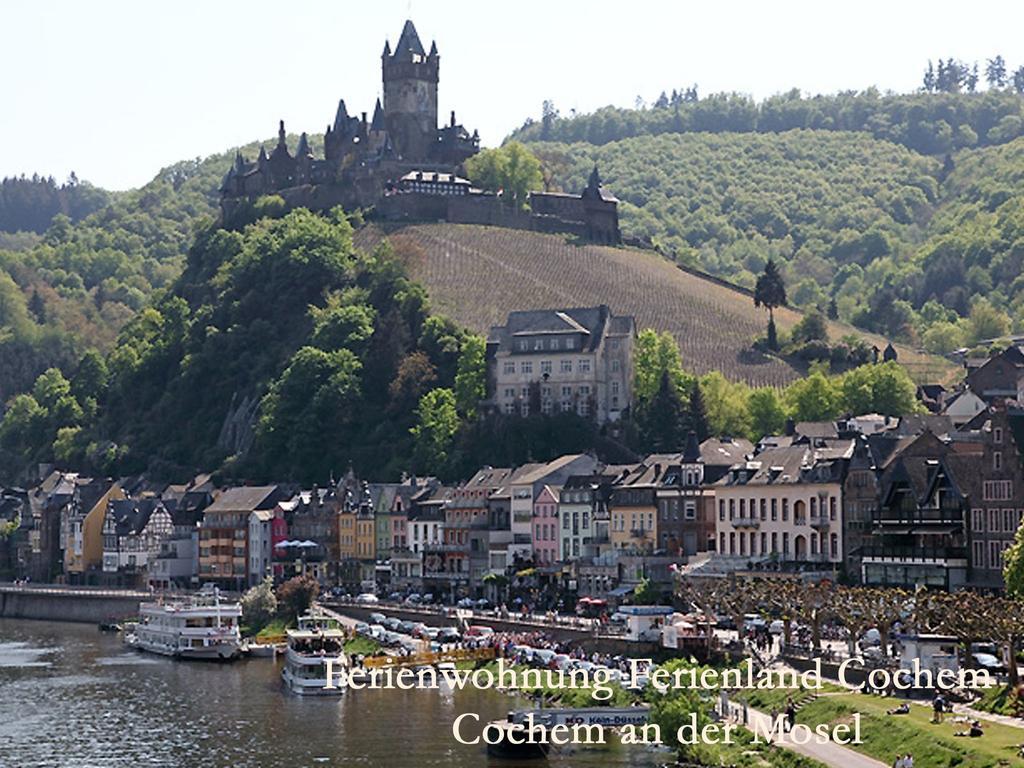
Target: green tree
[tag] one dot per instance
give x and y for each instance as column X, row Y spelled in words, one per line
column 770, row 292
column 259, row 605
column 437, row 421
column 728, row 412
column 767, row 416
column 662, row 418
column 943, row 337
column 812, row 327
column 813, row 399
column 511, row 169
column 654, row 355
column 296, row 595
column 471, row 376
column 697, row 413
column 886, row 388
column 1013, row 566
column 986, row 322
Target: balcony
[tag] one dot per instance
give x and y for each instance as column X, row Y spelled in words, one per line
column 641, row 533
column 927, row 516
column 948, row 556
column 746, row 522
column 443, row 547
column 821, row 522
column 601, row 539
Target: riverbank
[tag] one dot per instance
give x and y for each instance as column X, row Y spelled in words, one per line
column 887, row 736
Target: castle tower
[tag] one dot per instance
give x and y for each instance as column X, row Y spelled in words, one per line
column 410, row 95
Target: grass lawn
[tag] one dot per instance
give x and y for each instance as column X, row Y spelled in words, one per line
column 933, row 746
column 273, row 631
column 361, row 645
column 767, row 699
column 1000, row 700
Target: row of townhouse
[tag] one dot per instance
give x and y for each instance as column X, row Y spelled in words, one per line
column 921, row 500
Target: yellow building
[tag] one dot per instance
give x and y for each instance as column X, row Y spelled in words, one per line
column 347, row 533
column 83, row 548
column 633, row 508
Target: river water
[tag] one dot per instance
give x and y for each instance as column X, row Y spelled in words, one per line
column 73, row 697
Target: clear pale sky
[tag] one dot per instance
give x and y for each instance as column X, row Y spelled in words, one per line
column 115, row 90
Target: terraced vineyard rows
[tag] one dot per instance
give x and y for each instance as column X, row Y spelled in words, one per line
column 476, row 275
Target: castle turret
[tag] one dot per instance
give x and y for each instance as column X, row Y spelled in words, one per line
column 410, row 94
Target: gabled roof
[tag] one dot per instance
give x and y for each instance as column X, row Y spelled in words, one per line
column 245, row 499
column 590, row 322
column 724, row 451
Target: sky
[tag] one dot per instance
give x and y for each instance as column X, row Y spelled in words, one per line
column 115, row 90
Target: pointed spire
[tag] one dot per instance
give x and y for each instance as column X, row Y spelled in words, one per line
column 303, row 149
column 433, row 49
column 281, row 136
column 341, row 116
column 387, row 49
column 239, row 161
column 261, row 159
column 691, row 454
column 409, row 43
column 595, row 178
column 377, row 124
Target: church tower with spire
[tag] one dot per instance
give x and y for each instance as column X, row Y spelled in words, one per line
column 410, row 95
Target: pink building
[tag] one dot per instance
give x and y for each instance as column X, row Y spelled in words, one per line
column 545, row 526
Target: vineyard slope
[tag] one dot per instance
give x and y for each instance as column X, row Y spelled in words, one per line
column 477, row 275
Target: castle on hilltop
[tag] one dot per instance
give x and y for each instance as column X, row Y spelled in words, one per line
column 399, row 165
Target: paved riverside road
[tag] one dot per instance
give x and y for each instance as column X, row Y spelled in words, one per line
column 829, row 753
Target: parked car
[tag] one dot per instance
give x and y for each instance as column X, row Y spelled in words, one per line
column 988, row 662
column 753, row 622
column 413, row 599
column 377, row 631
column 367, row 598
column 871, row 639
column 361, row 627
column 542, row 657
column 392, row 623
column 466, row 602
column 377, row 618
column 477, row 630
column 449, row 635
column 427, row 598
column 561, row 661
column 777, row 627
column 407, row 627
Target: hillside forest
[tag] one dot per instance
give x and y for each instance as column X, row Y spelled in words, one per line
column 898, row 213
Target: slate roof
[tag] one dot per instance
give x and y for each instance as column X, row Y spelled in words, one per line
column 590, row 322
column 245, row 499
column 409, row 43
column 792, row 465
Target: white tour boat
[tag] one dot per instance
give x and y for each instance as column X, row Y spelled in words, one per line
column 201, row 626
column 318, row 639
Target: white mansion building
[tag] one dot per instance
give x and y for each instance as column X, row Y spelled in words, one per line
column 562, row 360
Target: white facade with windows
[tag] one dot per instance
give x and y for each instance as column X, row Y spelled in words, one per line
column 560, row 361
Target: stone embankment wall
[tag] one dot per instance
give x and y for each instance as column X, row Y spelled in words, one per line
column 67, row 604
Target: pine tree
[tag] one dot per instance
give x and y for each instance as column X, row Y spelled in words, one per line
column 929, row 77
column 697, row 416
column 770, row 292
column 995, row 72
column 661, row 420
